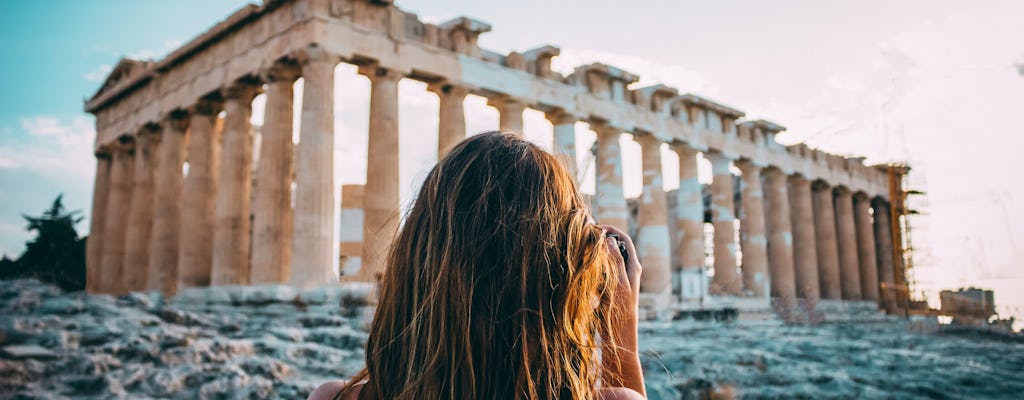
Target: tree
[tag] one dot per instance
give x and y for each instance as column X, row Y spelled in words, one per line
column 56, row 255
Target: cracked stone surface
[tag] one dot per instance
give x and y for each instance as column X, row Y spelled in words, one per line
column 274, row 342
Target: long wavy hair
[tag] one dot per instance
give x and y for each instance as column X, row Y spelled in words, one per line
column 497, row 285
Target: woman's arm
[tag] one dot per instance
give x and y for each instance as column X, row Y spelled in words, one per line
column 623, row 372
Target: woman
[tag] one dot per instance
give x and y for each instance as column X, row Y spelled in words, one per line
column 499, row 286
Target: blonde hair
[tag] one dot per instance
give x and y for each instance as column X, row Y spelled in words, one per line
column 495, row 287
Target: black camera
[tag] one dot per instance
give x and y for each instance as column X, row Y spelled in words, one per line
column 622, row 246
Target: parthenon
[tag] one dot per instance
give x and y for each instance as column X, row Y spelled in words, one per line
column 811, row 225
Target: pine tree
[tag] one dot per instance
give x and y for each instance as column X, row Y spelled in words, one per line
column 56, row 255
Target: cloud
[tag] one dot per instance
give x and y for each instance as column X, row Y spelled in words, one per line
column 98, row 74
column 56, row 147
column 650, row 72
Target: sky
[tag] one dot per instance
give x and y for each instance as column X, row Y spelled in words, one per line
column 938, row 84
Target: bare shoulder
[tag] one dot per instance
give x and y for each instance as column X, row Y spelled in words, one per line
column 330, row 390
column 618, row 393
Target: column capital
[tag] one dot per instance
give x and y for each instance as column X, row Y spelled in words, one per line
column 177, row 120
column 605, row 131
column 315, row 54
column 860, row 196
column 124, row 143
column 209, row 105
column 683, row 149
column 798, row 179
column 378, row 73
column 747, row 165
column 506, row 103
column 445, row 88
column 281, row 72
column 842, row 190
column 646, row 139
column 243, row 90
column 719, row 161
column 559, row 116
column 819, row 184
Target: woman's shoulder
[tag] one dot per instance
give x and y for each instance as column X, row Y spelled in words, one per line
column 330, row 390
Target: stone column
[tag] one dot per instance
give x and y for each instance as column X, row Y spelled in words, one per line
column 866, row 248
column 140, row 214
column 828, row 250
column 609, row 199
column 452, row 117
column 195, row 240
column 231, row 238
column 116, row 225
column 564, row 135
column 163, row 255
column 510, row 114
column 886, row 264
column 351, row 236
column 652, row 237
column 753, row 243
column 98, row 218
column 272, row 204
column 846, row 229
column 727, row 280
column 381, row 204
column 780, row 237
column 312, row 258
column 689, row 225
column 805, row 253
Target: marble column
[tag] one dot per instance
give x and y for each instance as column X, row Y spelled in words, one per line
column 828, row 250
column 689, row 225
column 866, row 254
column 232, row 210
column 98, row 218
column 350, row 237
column 753, row 243
column 780, row 236
column 609, row 199
column 510, row 114
column 272, row 203
column 312, row 254
column 726, row 280
column 198, row 197
column 381, row 204
column 163, row 248
column 805, row 252
column 116, row 225
column 564, row 135
column 846, row 229
column 140, row 214
column 652, row 238
column 885, row 254
column 452, row 116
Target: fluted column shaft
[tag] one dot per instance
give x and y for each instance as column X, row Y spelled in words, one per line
column 828, row 249
column 116, row 226
column 97, row 220
column 805, row 253
column 312, row 260
column 727, row 280
column 652, row 238
column 780, row 236
column 510, row 114
column 689, row 229
column 846, row 230
column 381, row 190
column 163, row 255
column 564, row 139
column 609, row 199
column 140, row 215
column 198, row 198
column 272, row 203
column 886, row 264
column 231, row 229
column 753, row 243
column 451, row 118
column 866, row 254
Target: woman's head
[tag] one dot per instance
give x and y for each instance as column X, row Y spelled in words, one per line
column 492, row 287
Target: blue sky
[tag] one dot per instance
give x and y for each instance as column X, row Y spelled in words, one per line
column 932, row 82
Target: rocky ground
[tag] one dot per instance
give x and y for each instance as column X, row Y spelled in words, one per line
column 271, row 342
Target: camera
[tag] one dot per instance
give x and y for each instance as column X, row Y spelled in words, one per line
column 622, row 246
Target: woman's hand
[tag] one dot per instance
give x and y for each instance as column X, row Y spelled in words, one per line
column 624, row 371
